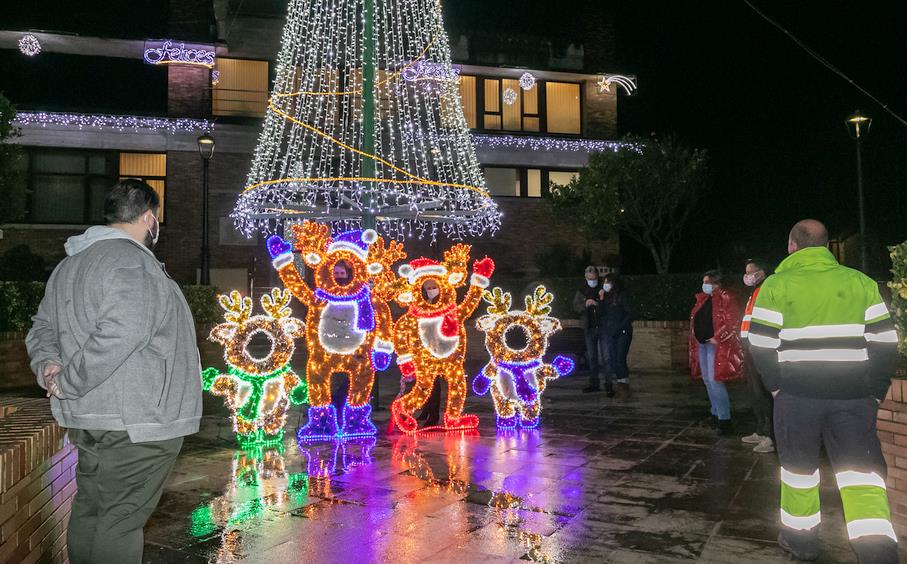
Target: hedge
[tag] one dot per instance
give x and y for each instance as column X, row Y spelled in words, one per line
column 19, row 302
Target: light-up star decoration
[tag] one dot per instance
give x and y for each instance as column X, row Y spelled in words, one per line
column 258, row 390
column 628, row 83
column 516, row 342
column 29, row 45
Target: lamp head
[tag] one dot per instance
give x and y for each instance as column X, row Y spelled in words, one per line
column 205, row 146
column 858, row 124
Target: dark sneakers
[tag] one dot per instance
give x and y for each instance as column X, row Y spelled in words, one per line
column 725, row 427
column 590, row 389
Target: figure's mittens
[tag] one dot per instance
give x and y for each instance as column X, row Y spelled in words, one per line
column 381, row 360
column 208, row 377
column 483, row 267
column 277, row 246
column 480, row 384
column 299, row 395
column 563, row 365
column 407, row 366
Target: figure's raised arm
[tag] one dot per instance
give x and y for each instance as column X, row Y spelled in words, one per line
column 282, row 254
column 482, row 270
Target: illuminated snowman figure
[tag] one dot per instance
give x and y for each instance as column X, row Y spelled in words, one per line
column 517, row 341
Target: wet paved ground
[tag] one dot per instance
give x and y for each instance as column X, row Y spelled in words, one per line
column 645, row 480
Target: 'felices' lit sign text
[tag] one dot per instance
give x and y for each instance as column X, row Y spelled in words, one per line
column 166, row 52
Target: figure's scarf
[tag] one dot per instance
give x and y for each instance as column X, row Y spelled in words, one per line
column 449, row 326
column 524, row 389
column 365, row 316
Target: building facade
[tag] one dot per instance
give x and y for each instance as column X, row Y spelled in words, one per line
column 93, row 109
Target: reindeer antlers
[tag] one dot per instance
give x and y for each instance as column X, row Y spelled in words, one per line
column 538, row 303
column 276, row 303
column 457, row 256
column 238, row 308
column 500, row 301
column 386, row 254
column 312, row 236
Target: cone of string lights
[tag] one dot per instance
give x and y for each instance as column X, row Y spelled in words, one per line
column 365, row 127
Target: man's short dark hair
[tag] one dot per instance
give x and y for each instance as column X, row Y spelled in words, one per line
column 714, row 275
column 129, row 199
column 758, row 263
column 809, row 233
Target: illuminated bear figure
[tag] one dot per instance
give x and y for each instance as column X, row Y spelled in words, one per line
column 430, row 338
column 258, row 391
column 517, row 341
column 348, row 326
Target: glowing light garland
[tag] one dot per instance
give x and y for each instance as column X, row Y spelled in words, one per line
column 530, row 143
column 626, row 82
column 258, row 390
column 324, row 155
column 517, row 377
column 119, row 123
column 430, row 338
column 348, row 326
column 29, row 45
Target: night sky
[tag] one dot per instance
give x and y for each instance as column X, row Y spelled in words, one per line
column 719, row 77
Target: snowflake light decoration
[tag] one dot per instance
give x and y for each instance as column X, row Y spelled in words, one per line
column 29, row 45
column 527, row 81
column 509, row 96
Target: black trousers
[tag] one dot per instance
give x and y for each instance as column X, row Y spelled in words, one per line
column 847, row 430
column 761, row 400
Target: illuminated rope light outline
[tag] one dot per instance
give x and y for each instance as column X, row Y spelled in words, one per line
column 625, row 82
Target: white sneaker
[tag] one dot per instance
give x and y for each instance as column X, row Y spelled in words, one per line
column 765, row 445
column 752, row 439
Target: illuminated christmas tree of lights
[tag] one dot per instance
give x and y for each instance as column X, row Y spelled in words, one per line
column 365, row 127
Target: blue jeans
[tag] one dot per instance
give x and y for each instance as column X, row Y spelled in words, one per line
column 614, row 349
column 594, row 355
column 721, row 403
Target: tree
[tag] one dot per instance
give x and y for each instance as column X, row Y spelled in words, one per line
column 644, row 189
column 12, row 189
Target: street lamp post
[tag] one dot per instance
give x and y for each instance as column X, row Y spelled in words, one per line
column 858, row 126
column 206, row 150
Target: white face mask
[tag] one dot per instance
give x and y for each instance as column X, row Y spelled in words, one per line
column 707, row 288
column 592, row 283
column 752, row 279
column 432, row 293
column 155, row 233
column 607, row 286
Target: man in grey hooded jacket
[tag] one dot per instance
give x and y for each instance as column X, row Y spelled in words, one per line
column 114, row 345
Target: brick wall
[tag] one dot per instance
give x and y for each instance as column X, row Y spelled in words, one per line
column 659, row 345
column 892, row 427
column 14, row 368
column 188, row 91
column 600, row 115
column 37, row 482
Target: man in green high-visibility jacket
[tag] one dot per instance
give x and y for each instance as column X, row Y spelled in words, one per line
column 826, row 347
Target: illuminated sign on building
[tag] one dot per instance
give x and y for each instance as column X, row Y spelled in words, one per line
column 166, row 52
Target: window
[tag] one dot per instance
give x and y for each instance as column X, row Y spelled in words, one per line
column 522, row 114
column 534, row 183
column 502, row 181
column 560, row 177
column 468, row 96
column 70, row 186
column 563, row 107
column 242, row 88
column 150, row 167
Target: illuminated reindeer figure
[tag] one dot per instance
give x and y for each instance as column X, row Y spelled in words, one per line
column 517, row 341
column 430, row 338
column 258, row 391
column 348, row 325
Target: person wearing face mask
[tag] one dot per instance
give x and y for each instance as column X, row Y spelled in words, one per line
column 431, row 413
column 585, row 303
column 715, row 352
column 616, row 332
column 760, row 398
column 113, row 343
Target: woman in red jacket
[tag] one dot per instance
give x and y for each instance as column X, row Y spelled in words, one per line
column 715, row 351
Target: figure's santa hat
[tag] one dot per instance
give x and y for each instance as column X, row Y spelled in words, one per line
column 420, row 268
column 356, row 241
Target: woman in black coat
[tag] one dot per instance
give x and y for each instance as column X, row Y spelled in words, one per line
column 616, row 329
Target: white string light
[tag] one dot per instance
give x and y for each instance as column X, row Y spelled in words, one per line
column 509, row 96
column 119, row 123
column 309, row 160
column 527, row 81
column 626, row 82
